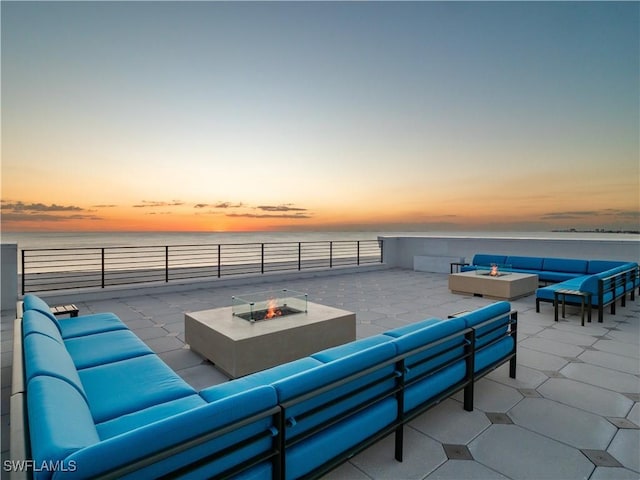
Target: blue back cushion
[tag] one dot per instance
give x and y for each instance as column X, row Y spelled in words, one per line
column 321, row 376
column 45, row 356
column 263, row 377
column 485, row 334
column 525, row 263
column 341, row 351
column 489, row 356
column 412, row 327
column 416, row 363
column 32, row 302
column 568, row 265
column 485, row 259
column 597, row 266
column 35, row 321
column 60, row 422
column 131, row 421
column 304, row 456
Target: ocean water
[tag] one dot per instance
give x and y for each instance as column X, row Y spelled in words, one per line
column 36, row 240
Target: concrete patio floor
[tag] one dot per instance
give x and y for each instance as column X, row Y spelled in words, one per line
column 572, row 412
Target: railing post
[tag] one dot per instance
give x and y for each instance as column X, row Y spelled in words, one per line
column 23, row 272
column 381, row 242
column 102, row 269
column 219, row 260
column 330, row 254
column 358, row 254
column 262, row 258
column 300, row 256
column 166, row 264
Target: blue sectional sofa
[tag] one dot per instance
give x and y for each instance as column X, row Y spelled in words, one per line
column 98, row 403
column 602, row 281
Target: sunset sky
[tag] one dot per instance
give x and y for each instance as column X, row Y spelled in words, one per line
column 221, row 116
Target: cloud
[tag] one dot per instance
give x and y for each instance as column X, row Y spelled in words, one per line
column 153, row 204
column 40, row 212
column 219, row 205
column 103, row 206
column 268, row 215
column 39, row 207
column 281, row 208
column 583, row 214
column 568, row 215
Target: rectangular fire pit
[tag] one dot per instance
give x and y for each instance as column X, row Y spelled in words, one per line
column 503, row 286
column 240, row 346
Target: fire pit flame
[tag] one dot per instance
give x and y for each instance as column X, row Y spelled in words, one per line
column 272, row 309
column 494, row 271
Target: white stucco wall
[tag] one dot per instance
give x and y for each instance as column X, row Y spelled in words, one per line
column 400, row 251
column 9, row 276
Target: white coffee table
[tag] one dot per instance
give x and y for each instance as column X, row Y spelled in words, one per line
column 504, row 287
column 239, row 347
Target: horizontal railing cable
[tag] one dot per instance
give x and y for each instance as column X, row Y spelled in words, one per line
column 71, row 268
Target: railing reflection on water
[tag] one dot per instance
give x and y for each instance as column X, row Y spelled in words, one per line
column 71, row 268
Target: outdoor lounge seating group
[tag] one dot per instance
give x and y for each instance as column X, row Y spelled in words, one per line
column 93, row 401
column 588, row 283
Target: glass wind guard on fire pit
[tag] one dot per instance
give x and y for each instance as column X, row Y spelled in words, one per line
column 268, row 305
column 495, row 270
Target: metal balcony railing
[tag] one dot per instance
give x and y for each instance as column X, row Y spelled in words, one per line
column 72, row 268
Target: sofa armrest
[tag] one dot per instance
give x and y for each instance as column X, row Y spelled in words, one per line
column 18, row 442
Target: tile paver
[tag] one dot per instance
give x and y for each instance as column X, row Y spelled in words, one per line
column 566, row 424
column 521, row 454
column 591, row 398
column 625, row 448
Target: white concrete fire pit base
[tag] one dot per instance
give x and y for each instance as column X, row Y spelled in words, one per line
column 505, row 287
column 239, row 347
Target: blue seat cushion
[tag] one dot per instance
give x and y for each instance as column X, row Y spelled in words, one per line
column 566, row 265
column 584, row 283
column 118, row 388
column 335, row 353
column 309, row 454
column 44, row 355
column 129, row 446
column 90, row 324
column 105, row 347
column 34, row 321
column 131, row 421
column 532, row 264
column 60, row 421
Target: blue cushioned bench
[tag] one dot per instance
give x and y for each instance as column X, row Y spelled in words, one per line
column 603, row 282
column 98, row 402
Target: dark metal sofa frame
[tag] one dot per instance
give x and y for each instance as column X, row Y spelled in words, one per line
column 607, row 285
